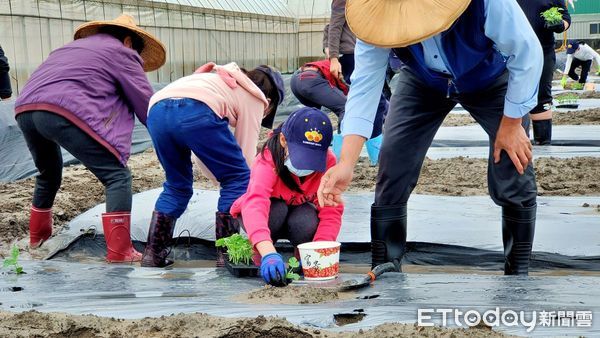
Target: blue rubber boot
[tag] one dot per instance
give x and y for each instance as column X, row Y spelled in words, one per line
column 373, row 147
column 337, row 145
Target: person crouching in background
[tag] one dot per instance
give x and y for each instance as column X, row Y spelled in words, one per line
column 579, row 54
column 281, row 201
column 315, row 86
column 192, row 116
column 83, row 98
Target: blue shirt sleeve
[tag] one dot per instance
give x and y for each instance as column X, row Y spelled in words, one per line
column 370, row 64
column 508, row 27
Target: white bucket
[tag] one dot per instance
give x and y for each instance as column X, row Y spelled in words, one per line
column 320, row 260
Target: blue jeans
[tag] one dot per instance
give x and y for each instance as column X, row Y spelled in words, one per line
column 180, row 127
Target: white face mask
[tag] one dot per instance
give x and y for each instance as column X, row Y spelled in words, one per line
column 297, row 172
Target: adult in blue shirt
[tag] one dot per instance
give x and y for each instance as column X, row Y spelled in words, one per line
column 482, row 54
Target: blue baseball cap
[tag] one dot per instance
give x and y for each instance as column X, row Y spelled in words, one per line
column 572, row 47
column 308, row 133
column 277, row 81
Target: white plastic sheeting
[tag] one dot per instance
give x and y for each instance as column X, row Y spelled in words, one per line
column 249, row 32
column 465, row 221
column 584, row 135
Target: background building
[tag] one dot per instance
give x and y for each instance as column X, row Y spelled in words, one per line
column 312, row 16
column 585, row 22
column 249, row 32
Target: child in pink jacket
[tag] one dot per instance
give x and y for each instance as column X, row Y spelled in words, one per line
column 193, row 115
column 281, row 201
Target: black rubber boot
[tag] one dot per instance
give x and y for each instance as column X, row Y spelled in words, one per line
column 225, row 226
column 160, row 239
column 388, row 235
column 542, row 132
column 518, row 228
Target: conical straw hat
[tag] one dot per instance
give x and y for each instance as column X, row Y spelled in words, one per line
column 400, row 23
column 154, row 52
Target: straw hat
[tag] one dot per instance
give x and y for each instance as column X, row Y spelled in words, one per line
column 154, row 52
column 400, row 23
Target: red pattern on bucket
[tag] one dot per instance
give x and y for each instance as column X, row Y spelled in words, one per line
column 316, row 272
column 328, row 251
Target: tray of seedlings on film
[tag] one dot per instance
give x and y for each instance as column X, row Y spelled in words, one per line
column 238, row 259
column 568, row 101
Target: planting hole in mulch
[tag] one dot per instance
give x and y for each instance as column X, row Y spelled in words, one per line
column 342, row 319
column 368, row 297
column 12, row 289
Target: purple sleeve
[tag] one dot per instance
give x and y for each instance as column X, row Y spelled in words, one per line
column 136, row 87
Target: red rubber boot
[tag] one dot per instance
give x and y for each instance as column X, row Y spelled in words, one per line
column 40, row 226
column 116, row 227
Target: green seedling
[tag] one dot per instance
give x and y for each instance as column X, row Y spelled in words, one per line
column 13, row 261
column 568, row 98
column 292, row 264
column 553, row 16
column 239, row 248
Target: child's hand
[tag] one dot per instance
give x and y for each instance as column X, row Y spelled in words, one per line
column 272, row 269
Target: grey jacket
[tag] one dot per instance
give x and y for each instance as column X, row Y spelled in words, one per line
column 5, row 89
column 337, row 35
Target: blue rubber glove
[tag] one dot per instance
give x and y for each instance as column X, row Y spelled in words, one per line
column 272, row 269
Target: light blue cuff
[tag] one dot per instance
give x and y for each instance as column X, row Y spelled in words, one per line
column 519, row 110
column 357, row 126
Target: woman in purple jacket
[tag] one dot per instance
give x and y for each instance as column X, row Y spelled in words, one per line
column 83, row 98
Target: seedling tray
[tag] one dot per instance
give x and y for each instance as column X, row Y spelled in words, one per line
column 568, row 106
column 241, row 270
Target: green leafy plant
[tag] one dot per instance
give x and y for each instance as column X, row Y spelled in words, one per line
column 553, row 16
column 13, row 261
column 568, row 98
column 292, row 264
column 239, row 248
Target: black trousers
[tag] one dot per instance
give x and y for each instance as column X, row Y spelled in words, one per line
column 416, row 112
column 545, row 88
column 45, row 133
column 585, row 70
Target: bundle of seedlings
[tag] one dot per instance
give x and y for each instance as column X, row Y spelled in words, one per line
column 567, row 100
column 239, row 259
column 239, row 255
column 554, row 19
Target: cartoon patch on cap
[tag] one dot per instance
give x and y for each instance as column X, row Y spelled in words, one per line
column 570, row 46
column 313, row 135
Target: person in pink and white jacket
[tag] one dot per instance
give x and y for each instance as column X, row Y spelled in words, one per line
column 193, row 115
column 281, row 200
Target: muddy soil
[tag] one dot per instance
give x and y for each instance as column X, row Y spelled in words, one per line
column 292, row 295
column 587, row 117
column 463, row 176
column 583, row 117
column 589, row 95
column 51, row 325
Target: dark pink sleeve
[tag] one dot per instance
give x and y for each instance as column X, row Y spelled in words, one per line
column 257, row 203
